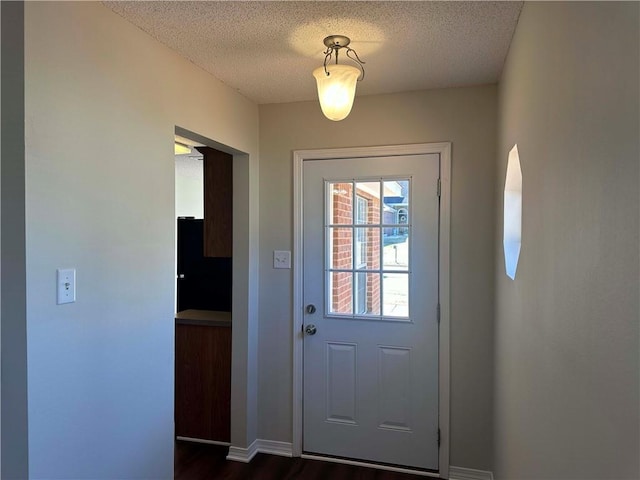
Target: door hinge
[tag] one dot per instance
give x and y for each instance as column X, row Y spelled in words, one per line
column 439, row 187
column 438, row 312
column 439, row 437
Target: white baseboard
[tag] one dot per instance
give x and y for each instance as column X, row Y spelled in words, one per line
column 200, row 440
column 271, row 447
column 244, row 455
column 459, row 473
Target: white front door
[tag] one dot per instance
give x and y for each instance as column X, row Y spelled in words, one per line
column 370, row 288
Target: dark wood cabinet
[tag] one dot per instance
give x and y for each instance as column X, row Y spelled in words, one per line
column 218, row 202
column 203, row 380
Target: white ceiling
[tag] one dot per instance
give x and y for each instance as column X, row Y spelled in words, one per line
column 267, row 50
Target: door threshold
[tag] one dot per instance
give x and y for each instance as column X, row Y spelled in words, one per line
column 379, row 466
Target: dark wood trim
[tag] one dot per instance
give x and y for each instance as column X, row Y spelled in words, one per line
column 218, row 202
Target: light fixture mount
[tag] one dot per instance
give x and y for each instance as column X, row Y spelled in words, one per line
column 336, row 41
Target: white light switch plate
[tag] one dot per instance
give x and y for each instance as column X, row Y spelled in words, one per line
column 281, row 259
column 66, row 285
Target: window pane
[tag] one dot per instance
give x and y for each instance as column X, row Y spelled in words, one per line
column 367, row 290
column 396, row 252
column 341, row 292
column 368, row 203
column 367, row 248
column 395, row 302
column 368, row 235
column 340, row 203
column 340, row 247
column 396, row 204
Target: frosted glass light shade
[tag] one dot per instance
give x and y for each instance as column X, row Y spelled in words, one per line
column 337, row 90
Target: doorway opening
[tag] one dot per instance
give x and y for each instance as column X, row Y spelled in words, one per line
column 206, row 268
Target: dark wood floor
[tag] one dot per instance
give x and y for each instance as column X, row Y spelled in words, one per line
column 195, row 461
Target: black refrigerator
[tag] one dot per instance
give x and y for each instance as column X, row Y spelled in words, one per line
column 204, row 283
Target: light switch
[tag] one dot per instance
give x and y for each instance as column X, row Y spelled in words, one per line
column 281, row 259
column 66, row 285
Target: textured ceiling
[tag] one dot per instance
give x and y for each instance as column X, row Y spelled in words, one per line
column 267, row 50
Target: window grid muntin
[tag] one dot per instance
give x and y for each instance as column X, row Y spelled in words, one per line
column 353, row 225
column 360, row 214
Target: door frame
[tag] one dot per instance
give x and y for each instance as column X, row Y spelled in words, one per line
column 299, row 157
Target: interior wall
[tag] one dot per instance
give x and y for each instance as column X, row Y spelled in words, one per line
column 566, row 343
column 102, row 102
column 13, row 347
column 467, row 118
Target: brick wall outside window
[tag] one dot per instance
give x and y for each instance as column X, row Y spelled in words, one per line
column 342, row 251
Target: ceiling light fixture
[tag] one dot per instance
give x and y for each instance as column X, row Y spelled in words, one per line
column 337, row 83
column 181, row 148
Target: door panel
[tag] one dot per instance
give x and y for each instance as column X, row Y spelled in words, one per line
column 394, row 406
column 370, row 231
column 341, row 383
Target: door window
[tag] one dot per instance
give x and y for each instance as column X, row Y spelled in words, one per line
column 367, row 231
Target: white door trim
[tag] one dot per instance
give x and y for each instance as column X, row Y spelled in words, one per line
column 299, row 156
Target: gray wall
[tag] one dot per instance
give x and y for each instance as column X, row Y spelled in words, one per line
column 467, row 118
column 102, row 100
column 566, row 344
column 14, row 434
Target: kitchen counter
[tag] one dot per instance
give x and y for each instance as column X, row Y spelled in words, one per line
column 207, row 318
